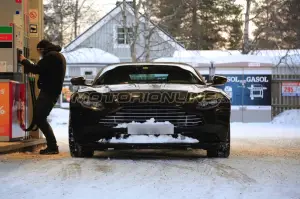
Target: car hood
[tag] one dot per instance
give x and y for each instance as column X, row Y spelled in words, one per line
column 192, row 88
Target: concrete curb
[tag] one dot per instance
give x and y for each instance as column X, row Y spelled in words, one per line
column 10, row 147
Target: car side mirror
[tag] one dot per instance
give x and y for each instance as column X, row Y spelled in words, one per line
column 219, row 80
column 78, row 81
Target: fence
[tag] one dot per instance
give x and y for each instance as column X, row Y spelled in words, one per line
column 280, row 76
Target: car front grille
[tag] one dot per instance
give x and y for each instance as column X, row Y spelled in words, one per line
column 161, row 113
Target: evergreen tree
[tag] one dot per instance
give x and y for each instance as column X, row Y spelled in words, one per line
column 204, row 24
column 277, row 23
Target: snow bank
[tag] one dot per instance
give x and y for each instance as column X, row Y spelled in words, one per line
column 90, row 55
column 285, row 125
column 288, row 117
column 264, row 130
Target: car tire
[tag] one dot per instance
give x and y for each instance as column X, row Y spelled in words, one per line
column 77, row 150
column 223, row 151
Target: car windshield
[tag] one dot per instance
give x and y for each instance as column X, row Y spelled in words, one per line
column 148, row 74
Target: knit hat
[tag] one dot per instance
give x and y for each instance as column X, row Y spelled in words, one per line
column 46, row 46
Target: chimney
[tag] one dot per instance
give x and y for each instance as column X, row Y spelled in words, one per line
column 128, row 2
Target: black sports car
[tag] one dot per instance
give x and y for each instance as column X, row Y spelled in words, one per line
column 123, row 98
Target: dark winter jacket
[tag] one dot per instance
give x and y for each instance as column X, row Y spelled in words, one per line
column 51, row 70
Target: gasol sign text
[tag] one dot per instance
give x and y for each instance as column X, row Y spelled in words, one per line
column 251, row 79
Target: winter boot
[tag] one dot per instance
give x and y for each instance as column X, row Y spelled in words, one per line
column 50, row 151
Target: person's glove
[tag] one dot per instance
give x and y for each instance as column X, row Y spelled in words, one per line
column 21, row 58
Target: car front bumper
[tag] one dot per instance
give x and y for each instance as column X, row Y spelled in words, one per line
column 126, row 146
column 209, row 133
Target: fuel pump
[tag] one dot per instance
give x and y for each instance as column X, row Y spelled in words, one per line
column 15, row 86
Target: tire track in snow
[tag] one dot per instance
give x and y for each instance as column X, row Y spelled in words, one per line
column 212, row 168
column 229, row 172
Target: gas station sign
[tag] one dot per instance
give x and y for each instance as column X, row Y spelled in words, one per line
column 6, row 37
column 290, row 89
column 248, row 90
column 6, row 30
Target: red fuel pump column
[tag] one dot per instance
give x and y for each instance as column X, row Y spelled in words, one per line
column 12, row 110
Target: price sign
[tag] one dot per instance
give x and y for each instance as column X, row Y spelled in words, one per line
column 290, row 89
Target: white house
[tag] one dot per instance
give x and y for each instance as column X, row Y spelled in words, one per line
column 108, row 34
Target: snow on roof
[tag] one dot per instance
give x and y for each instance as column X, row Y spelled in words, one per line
column 276, row 53
column 205, row 53
column 90, row 55
column 222, row 57
column 242, row 59
column 194, row 61
column 291, row 57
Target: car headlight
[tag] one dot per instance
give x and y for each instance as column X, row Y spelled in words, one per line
column 90, row 101
column 96, row 106
column 209, row 100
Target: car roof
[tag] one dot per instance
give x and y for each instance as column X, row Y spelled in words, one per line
column 148, row 63
column 181, row 65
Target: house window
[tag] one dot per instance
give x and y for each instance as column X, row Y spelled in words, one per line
column 122, row 38
column 88, row 72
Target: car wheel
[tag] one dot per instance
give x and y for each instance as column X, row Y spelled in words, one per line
column 76, row 150
column 223, row 151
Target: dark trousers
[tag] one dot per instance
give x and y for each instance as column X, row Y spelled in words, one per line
column 44, row 104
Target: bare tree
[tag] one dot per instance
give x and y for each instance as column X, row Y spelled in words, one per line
column 63, row 19
column 82, row 10
column 133, row 36
column 148, row 33
column 143, row 29
column 246, row 42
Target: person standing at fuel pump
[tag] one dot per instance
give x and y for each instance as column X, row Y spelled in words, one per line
column 51, row 70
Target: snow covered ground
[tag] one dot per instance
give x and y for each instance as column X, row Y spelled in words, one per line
column 264, row 163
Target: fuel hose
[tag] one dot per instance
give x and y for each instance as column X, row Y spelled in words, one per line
column 31, row 81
